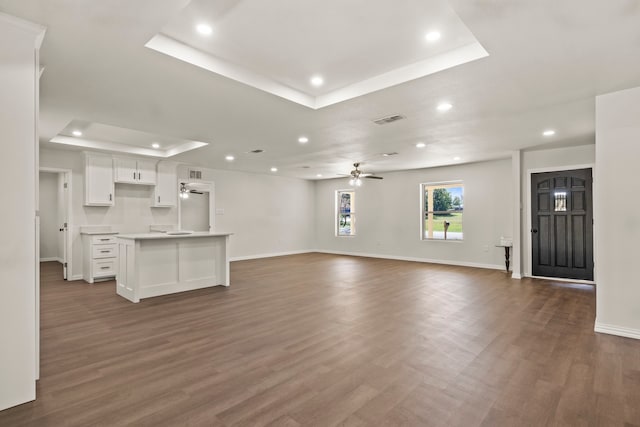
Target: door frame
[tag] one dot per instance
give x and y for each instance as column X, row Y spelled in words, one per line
column 212, row 201
column 68, row 241
column 529, row 270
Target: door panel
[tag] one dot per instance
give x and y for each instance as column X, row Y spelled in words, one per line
column 562, row 218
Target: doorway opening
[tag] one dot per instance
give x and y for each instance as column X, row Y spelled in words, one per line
column 54, row 205
column 561, row 218
column 196, row 207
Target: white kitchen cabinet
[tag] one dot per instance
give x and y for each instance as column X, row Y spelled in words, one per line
column 165, row 194
column 134, row 171
column 100, row 256
column 98, row 180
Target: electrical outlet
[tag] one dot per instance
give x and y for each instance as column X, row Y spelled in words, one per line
column 219, row 211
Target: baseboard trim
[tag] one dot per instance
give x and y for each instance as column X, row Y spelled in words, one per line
column 51, row 259
column 268, row 255
column 414, row 259
column 77, row 277
column 516, row 276
column 620, row 331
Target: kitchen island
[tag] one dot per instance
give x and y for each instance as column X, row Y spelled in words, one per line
column 153, row 264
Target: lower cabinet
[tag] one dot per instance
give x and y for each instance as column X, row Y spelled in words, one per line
column 100, row 257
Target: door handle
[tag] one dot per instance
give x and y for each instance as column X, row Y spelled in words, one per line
column 62, row 229
column 534, row 230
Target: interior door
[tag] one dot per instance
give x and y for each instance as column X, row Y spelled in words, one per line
column 562, row 224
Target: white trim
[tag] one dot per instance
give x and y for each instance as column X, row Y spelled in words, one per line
column 561, row 279
column 269, row 255
column 516, row 250
column 76, row 277
column 414, row 259
column 592, row 166
column 620, row 331
column 36, row 29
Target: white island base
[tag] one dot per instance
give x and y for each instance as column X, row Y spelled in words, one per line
column 156, row 264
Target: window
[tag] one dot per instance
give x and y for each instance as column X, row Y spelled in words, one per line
column 345, row 214
column 442, row 210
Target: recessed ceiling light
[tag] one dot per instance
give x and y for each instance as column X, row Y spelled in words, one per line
column 421, row 145
column 274, row 169
column 155, row 145
column 445, row 106
column 229, row 158
column 549, row 132
column 317, row 81
column 456, row 158
column 433, row 36
column 76, row 133
column 303, row 140
column 319, row 175
column 204, row 29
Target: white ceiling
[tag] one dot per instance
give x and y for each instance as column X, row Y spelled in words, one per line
column 547, row 61
column 358, row 47
column 116, row 139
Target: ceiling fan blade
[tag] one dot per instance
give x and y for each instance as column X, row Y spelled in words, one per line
column 373, row 177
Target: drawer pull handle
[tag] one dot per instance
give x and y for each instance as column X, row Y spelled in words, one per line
column 104, row 268
column 104, row 240
column 104, row 252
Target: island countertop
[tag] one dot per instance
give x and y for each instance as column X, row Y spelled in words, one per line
column 157, row 235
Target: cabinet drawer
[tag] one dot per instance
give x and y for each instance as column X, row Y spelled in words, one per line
column 103, row 238
column 104, row 267
column 104, row 251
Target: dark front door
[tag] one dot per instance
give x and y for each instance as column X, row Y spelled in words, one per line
column 562, row 224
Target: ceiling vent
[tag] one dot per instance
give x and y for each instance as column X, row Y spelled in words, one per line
column 389, row 119
column 195, row 174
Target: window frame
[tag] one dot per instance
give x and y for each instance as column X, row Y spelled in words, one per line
column 423, row 218
column 352, row 213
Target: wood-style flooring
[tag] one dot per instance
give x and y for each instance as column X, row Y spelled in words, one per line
column 328, row 340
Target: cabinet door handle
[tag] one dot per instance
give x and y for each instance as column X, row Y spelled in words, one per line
column 110, row 197
column 134, row 175
column 158, row 199
column 139, row 179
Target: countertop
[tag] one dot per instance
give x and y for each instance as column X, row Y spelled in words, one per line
column 98, row 233
column 156, row 236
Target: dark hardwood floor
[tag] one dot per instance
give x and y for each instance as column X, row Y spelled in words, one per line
column 328, row 340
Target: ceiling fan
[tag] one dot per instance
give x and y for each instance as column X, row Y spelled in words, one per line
column 356, row 174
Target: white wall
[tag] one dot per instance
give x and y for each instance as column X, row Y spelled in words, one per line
column 18, row 252
column 132, row 212
column 617, row 213
column 388, row 215
column 268, row 214
column 558, row 158
column 49, row 220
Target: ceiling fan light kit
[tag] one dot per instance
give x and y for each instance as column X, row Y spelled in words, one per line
column 357, row 175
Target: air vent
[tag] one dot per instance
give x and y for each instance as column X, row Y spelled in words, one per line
column 258, row 151
column 195, row 174
column 389, row 119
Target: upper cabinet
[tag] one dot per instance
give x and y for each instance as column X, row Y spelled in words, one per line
column 165, row 194
column 134, row 171
column 98, row 180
